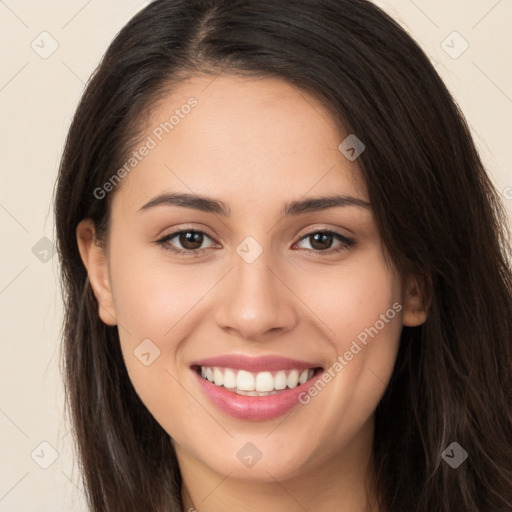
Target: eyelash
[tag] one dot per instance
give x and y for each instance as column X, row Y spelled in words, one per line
column 345, row 244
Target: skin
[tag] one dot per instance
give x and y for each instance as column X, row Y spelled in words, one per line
column 253, row 144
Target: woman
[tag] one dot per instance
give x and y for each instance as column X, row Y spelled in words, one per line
column 286, row 273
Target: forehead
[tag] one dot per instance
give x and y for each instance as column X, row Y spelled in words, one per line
column 241, row 139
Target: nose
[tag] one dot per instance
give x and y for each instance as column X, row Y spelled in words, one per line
column 255, row 301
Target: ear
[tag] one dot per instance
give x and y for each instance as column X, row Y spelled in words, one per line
column 95, row 260
column 417, row 299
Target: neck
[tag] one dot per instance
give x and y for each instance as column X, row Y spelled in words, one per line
column 342, row 482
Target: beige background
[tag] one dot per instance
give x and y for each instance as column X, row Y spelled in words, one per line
column 37, row 99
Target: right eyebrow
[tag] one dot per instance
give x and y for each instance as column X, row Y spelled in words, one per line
column 202, row 203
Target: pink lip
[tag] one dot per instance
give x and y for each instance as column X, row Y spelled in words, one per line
column 255, row 364
column 255, row 408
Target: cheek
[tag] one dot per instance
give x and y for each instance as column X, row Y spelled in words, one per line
column 361, row 310
column 152, row 295
column 354, row 298
column 157, row 305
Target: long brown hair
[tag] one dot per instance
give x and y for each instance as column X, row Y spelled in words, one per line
column 437, row 211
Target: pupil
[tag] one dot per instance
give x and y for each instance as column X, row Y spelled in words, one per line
column 191, row 240
column 322, row 240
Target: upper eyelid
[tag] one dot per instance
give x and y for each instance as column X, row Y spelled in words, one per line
column 187, row 230
column 343, row 239
column 314, row 230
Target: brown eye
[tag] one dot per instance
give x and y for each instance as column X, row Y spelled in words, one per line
column 323, row 242
column 186, row 241
column 191, row 240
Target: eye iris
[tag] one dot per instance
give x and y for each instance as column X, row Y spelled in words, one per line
column 321, row 241
column 191, row 237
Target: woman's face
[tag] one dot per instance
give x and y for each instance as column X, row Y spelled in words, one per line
column 274, row 283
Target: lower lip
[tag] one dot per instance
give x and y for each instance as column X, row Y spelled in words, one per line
column 256, row 408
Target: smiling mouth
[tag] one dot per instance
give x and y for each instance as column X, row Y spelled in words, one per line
column 266, row 383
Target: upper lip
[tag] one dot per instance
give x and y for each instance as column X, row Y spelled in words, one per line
column 255, row 364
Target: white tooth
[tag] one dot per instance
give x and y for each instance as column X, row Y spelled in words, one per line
column 264, row 382
column 203, row 372
column 293, row 379
column 218, row 377
column 240, row 392
column 303, row 377
column 209, row 374
column 252, row 393
column 280, row 380
column 263, row 394
column 311, row 372
column 245, row 381
column 229, row 379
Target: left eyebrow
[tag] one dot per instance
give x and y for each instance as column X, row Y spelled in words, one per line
column 316, row 204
